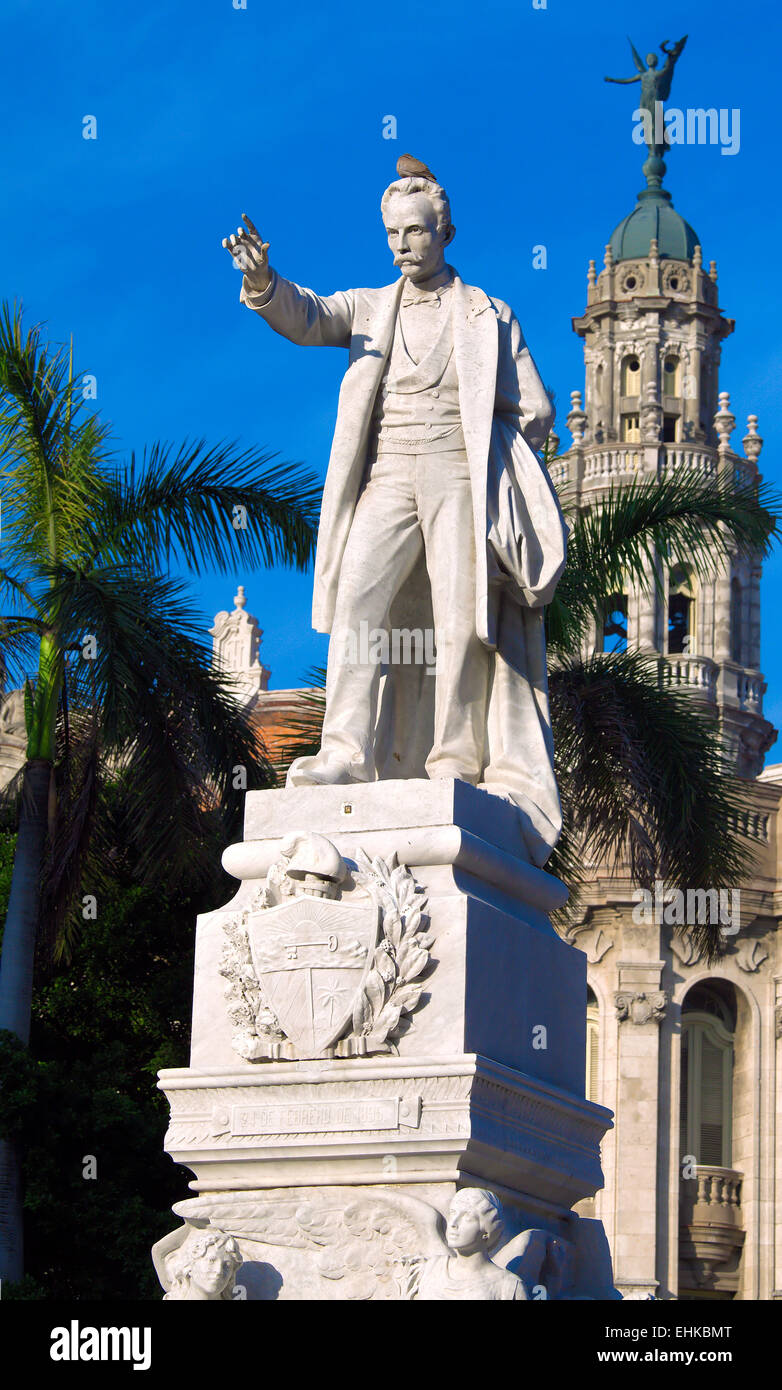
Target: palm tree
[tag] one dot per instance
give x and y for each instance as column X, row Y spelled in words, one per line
column 123, row 687
column 641, row 768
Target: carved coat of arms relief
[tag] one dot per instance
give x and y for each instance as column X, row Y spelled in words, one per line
column 326, row 960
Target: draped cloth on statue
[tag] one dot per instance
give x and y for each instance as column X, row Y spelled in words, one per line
column 519, row 748
column 518, row 530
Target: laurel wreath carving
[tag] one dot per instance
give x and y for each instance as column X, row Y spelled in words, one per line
column 256, row 1026
column 393, row 985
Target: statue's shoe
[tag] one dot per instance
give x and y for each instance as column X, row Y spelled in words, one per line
column 317, row 772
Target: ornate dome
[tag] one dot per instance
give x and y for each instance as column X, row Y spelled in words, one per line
column 653, row 217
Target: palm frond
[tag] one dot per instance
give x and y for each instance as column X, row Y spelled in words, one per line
column 34, row 390
column 639, row 528
column 77, row 777
column 51, row 448
column 642, row 776
column 303, row 729
column 172, row 726
column 219, row 506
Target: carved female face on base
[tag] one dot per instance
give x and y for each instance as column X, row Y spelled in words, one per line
column 474, row 1222
column 204, row 1268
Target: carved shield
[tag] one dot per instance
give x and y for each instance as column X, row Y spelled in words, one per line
column 311, row 956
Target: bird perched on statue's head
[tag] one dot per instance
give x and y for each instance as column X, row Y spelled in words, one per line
column 408, row 167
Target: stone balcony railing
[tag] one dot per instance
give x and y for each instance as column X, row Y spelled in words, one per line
column 726, row 684
column 711, row 1227
column 741, row 689
column 600, row 465
column 695, row 673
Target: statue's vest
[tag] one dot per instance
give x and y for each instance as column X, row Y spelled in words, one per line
column 417, row 404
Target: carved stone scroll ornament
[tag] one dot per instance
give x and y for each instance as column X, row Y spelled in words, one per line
column 313, row 970
column 685, row 949
column 589, row 938
column 640, row 1007
column 750, row 955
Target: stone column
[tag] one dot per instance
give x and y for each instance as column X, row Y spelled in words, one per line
column 777, row 1158
column 640, row 1005
column 722, row 607
column 691, row 392
column 646, row 633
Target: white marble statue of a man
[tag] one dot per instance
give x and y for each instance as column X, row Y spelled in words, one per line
column 437, row 517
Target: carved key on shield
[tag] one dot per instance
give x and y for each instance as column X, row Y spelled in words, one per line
column 292, row 951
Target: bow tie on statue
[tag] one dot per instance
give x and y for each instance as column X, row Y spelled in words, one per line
column 433, row 298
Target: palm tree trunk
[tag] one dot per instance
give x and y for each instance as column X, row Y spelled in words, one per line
column 11, row 1219
column 16, row 983
column 21, row 923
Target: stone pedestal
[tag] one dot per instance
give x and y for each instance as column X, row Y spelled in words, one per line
column 369, row 1038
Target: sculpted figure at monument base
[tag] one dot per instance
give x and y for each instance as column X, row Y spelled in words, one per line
column 380, row 1245
column 385, row 1096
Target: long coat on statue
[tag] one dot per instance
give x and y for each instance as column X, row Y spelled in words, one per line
column 520, row 533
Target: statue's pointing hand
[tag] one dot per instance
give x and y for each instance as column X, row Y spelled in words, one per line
column 251, row 254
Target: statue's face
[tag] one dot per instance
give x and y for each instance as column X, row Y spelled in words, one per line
column 651, row 60
column 413, row 236
column 211, row 1269
column 465, row 1231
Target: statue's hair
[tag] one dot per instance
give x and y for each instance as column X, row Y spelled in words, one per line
column 180, row 1262
column 486, row 1206
column 436, row 195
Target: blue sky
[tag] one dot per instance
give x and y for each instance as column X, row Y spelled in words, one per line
column 205, row 111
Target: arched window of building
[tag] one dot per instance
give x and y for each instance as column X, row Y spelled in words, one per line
column 708, row 1028
column 736, row 622
column 681, row 610
column 631, row 375
column 631, row 429
column 672, row 377
column 593, row 1015
column 615, row 624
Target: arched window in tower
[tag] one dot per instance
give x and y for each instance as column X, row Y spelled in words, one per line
column 615, row 624
column 672, row 381
column 681, row 611
column 631, row 375
column 707, row 1052
column 592, row 1040
column 736, row 622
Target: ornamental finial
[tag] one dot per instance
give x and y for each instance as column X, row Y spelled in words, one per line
column 655, row 90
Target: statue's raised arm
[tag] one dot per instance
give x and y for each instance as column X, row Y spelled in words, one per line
column 665, row 76
column 638, row 63
column 251, row 254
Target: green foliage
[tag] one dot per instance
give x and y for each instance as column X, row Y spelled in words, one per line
column 88, row 541
column 102, row 1026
